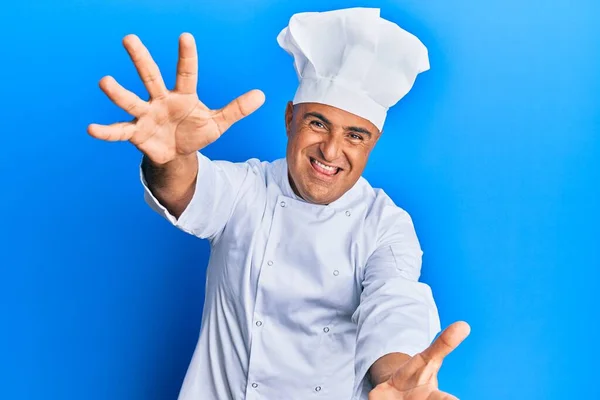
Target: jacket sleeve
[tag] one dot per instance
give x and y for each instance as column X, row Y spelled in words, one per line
column 396, row 312
column 219, row 185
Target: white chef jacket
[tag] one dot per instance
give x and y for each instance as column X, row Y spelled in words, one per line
column 301, row 299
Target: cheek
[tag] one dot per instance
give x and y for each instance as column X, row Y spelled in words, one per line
column 304, row 140
column 357, row 159
column 297, row 143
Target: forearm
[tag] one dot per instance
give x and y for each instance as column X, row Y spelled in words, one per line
column 172, row 183
column 385, row 366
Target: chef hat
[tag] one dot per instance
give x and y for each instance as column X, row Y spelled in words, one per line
column 353, row 60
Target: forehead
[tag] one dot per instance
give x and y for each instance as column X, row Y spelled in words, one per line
column 335, row 115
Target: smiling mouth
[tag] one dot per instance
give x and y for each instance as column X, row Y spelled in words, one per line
column 324, row 169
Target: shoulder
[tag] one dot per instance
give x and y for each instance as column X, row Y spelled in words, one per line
column 249, row 167
column 391, row 222
column 260, row 167
column 394, row 242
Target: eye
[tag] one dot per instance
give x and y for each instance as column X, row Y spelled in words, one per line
column 356, row 136
column 318, row 124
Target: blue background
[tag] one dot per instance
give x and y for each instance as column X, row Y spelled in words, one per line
column 495, row 154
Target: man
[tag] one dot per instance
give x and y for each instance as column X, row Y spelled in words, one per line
column 312, row 284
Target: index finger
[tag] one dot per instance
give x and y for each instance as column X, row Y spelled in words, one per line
column 446, row 342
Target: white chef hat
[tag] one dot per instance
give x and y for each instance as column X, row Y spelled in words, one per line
column 353, row 60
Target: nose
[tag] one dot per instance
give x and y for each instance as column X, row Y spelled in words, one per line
column 331, row 148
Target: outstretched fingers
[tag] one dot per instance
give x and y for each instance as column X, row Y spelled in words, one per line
column 423, row 367
column 146, row 67
column 239, row 108
column 187, row 65
column 122, row 97
column 119, row 131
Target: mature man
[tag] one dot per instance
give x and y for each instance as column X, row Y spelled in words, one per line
column 312, row 284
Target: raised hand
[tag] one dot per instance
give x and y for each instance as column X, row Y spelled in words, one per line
column 172, row 123
column 416, row 379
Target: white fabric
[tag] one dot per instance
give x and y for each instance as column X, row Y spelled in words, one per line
column 353, row 59
column 301, row 299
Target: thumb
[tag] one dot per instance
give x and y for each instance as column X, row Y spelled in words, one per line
column 446, row 342
column 239, row 108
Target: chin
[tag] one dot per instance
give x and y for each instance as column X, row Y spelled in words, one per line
column 316, row 197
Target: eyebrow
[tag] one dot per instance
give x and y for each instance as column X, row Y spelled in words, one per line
column 348, row 128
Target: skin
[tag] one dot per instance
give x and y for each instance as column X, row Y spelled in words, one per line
column 333, row 137
column 415, row 378
column 174, row 124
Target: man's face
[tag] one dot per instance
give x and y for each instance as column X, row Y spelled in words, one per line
column 327, row 150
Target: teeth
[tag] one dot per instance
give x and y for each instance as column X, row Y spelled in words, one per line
column 327, row 167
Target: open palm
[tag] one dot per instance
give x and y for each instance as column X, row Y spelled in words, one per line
column 416, row 379
column 172, row 123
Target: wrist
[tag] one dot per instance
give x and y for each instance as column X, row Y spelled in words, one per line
column 175, row 163
column 173, row 178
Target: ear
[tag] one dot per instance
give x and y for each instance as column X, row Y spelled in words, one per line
column 289, row 116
